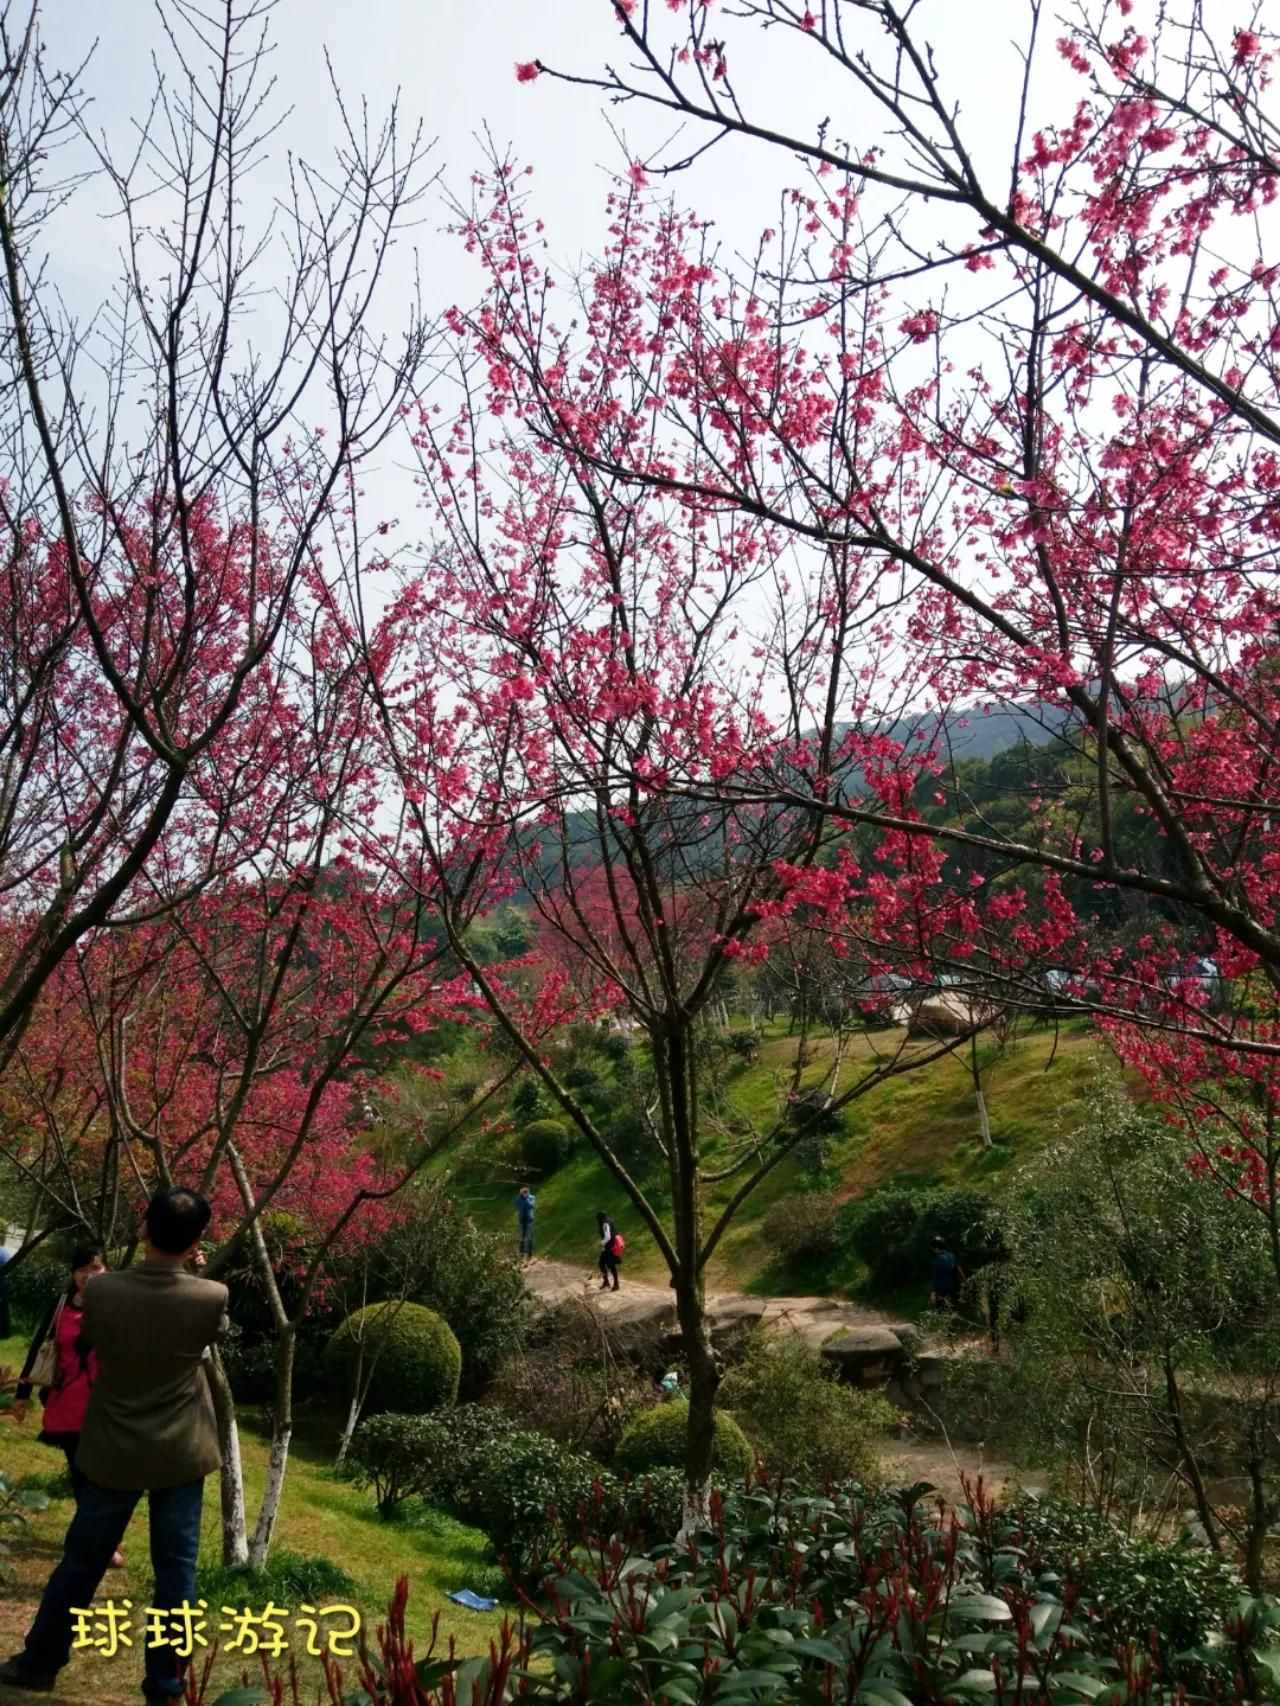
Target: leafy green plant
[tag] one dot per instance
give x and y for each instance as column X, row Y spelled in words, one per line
column 880, row 1229
column 477, row 1463
column 1135, row 1587
column 418, row 1358
column 522, row 1488
column 527, row 1101
column 892, row 1229
column 545, row 1145
column 1145, row 1306
column 388, row 1454
column 741, row 1046
column 881, row 1600
column 467, row 1275
column 53, row 1483
column 656, row 1440
column 803, row 1422
column 17, row 1502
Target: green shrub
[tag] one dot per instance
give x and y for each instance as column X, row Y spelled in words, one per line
column 391, row 1454
column 419, row 1361
column 893, row 1228
column 1134, row 1587
column 966, row 1221
column 741, row 1046
column 469, row 1276
column 813, row 1111
column 1054, row 1531
column 527, row 1101
column 881, row 1228
column 250, row 1361
column 796, row 1598
column 615, row 1047
column 656, row 1440
column 803, row 1423
column 582, row 1078
column 545, row 1145
column 528, row 1493
column 803, row 1227
column 522, row 1488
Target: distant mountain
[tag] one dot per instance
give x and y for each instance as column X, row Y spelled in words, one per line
column 983, row 730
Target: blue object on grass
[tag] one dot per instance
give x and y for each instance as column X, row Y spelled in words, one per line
column 473, row 1601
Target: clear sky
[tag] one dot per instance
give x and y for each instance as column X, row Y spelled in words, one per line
column 453, row 61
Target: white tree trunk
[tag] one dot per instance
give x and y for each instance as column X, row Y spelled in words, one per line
column 235, row 1544
column 269, row 1510
column 697, row 1512
column 235, row 1540
column 352, row 1423
column 984, row 1124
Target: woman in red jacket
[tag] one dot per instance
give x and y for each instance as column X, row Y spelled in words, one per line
column 66, row 1401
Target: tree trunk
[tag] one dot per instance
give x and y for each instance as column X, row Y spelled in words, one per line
column 349, row 1428
column 1189, row 1463
column 1262, row 1509
column 235, row 1544
column 359, row 1387
column 984, row 1124
column 359, row 1398
column 278, row 1463
column 704, row 1383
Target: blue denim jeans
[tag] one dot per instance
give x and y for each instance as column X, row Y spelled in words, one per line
column 526, row 1237
column 97, row 1528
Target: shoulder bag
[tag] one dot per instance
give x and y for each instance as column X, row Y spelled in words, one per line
column 44, row 1369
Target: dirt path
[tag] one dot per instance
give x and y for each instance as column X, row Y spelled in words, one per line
column 557, row 1282
column 844, row 1330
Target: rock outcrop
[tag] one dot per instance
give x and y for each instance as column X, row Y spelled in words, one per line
column 864, row 1347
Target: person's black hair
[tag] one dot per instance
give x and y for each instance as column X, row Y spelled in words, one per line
column 81, row 1256
column 176, row 1219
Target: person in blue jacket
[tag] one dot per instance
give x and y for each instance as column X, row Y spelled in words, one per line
column 526, row 1205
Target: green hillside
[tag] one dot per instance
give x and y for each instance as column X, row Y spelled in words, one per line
column 921, row 1127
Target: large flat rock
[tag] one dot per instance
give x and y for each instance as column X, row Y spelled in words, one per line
column 861, row 1344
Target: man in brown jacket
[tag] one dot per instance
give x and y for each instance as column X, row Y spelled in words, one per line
column 150, row 1428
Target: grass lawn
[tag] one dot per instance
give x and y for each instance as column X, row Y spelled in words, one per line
column 322, row 1518
column 920, row 1127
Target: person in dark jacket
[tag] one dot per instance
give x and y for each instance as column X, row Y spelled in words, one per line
column 526, row 1206
column 610, row 1255
column 948, row 1277
column 67, row 1400
column 149, row 1428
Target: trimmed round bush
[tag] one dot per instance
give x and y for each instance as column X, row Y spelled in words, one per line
column 656, row 1440
column 544, row 1145
column 419, row 1361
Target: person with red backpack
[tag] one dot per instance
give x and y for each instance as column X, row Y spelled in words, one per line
column 612, row 1244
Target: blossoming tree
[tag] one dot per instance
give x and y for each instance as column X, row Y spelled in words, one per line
column 1033, row 402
